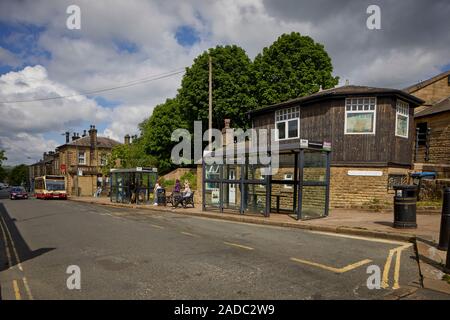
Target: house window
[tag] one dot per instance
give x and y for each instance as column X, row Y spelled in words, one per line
column 103, row 160
column 290, row 177
column 81, row 157
column 360, row 115
column 402, row 119
column 422, row 132
column 396, row 179
column 287, row 121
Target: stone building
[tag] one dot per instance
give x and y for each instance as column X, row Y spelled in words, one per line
column 432, row 123
column 80, row 160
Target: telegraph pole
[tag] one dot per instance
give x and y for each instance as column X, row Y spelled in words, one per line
column 210, row 104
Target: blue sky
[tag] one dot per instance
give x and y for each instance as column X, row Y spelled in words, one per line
column 125, row 42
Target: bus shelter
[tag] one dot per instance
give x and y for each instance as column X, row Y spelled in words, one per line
column 298, row 187
column 134, row 185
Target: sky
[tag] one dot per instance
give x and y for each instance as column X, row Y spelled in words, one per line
column 123, row 41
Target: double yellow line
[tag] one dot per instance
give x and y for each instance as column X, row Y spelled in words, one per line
column 398, row 252
column 7, row 234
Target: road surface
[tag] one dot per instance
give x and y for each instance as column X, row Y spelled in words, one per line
column 141, row 254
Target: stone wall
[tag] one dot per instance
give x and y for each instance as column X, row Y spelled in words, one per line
column 179, row 172
column 348, row 191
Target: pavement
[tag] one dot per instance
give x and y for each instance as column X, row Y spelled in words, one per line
column 137, row 253
column 347, row 221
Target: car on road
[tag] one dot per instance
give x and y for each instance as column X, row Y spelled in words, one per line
column 3, row 186
column 18, row 193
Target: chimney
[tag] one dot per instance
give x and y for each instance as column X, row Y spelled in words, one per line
column 67, row 136
column 347, row 82
column 126, row 139
column 84, row 133
column 93, row 136
column 75, row 136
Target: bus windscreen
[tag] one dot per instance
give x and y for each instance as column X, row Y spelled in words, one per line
column 55, row 185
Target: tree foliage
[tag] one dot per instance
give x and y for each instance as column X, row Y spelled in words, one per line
column 156, row 132
column 232, row 87
column 129, row 156
column 19, row 175
column 293, row 66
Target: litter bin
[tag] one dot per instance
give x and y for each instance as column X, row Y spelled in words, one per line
column 405, row 201
column 161, row 197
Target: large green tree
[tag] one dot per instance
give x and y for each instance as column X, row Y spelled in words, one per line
column 293, row 66
column 19, row 175
column 156, row 132
column 232, row 87
column 129, row 156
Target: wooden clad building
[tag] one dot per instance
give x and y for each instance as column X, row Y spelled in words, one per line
column 371, row 131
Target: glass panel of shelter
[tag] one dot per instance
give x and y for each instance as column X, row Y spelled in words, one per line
column 299, row 187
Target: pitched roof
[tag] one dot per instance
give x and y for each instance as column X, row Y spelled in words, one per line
column 425, row 83
column 341, row 92
column 441, row 106
column 102, row 142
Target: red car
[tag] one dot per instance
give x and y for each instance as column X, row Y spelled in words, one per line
column 18, row 193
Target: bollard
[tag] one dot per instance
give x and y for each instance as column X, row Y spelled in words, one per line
column 445, row 221
column 447, row 265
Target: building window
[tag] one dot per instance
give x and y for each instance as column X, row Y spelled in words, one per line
column 422, row 132
column 289, row 177
column 287, row 121
column 103, row 160
column 402, row 119
column 396, row 179
column 360, row 115
column 81, row 157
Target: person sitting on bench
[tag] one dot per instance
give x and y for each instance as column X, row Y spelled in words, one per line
column 186, row 194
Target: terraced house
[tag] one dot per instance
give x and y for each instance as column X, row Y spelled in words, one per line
column 432, row 123
column 80, row 160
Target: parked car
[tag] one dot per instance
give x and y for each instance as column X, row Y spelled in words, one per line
column 18, row 193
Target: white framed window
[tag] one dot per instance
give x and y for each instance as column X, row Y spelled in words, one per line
column 287, row 121
column 290, row 177
column 402, row 119
column 81, row 157
column 360, row 115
